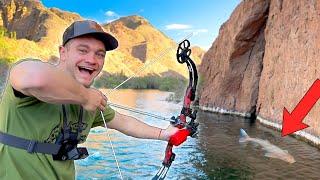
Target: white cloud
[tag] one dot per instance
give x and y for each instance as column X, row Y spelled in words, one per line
column 177, row 26
column 185, row 28
column 201, row 30
column 197, row 31
column 111, row 14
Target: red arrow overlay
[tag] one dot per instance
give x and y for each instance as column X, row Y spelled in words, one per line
column 293, row 122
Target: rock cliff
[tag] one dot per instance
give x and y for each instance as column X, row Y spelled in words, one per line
column 291, row 59
column 264, row 59
column 232, row 66
column 32, row 21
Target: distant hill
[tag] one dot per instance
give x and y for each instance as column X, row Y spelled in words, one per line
column 141, row 43
column 38, row 33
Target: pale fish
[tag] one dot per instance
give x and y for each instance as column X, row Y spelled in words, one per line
column 272, row 151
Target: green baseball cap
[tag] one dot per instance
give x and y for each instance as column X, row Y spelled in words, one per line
column 89, row 27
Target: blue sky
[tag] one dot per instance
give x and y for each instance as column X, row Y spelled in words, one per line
column 175, row 18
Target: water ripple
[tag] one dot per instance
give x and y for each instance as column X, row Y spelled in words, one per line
column 215, row 154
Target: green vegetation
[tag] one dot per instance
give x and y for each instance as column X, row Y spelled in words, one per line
column 4, row 66
column 6, row 47
column 4, row 62
column 147, row 82
column 172, row 84
column 6, row 57
column 5, row 33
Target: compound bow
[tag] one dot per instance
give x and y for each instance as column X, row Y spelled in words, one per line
column 187, row 128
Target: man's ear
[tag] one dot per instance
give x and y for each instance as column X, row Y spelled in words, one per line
column 62, row 53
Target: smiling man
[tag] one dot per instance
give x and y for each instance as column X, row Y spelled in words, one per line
column 47, row 110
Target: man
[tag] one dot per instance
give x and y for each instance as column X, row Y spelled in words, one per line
column 46, row 110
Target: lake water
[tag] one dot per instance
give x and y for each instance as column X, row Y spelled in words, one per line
column 215, row 154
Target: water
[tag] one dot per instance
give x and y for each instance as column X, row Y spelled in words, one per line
column 215, row 154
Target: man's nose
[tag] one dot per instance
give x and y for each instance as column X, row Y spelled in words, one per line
column 91, row 58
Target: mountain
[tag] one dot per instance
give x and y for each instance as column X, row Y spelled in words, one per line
column 139, row 44
column 37, row 32
column 265, row 58
column 32, row 21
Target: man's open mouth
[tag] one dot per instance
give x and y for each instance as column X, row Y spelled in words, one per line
column 86, row 70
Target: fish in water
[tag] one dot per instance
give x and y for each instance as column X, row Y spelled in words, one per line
column 272, row 151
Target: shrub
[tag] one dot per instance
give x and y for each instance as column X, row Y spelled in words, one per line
column 147, row 82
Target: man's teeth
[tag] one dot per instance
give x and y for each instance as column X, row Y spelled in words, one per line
column 89, row 70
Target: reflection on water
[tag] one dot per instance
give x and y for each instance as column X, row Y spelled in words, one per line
column 215, row 154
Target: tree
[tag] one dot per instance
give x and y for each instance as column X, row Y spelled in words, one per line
column 13, row 35
column 2, row 31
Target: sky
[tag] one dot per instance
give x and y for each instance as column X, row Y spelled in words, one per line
column 175, row 18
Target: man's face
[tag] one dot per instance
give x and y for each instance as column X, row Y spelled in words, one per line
column 83, row 58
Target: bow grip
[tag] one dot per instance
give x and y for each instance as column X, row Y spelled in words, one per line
column 179, row 137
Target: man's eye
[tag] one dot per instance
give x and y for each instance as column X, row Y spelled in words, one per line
column 82, row 51
column 101, row 55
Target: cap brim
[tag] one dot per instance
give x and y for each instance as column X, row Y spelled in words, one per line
column 108, row 40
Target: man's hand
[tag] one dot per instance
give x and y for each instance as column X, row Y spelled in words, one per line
column 173, row 135
column 95, row 100
column 165, row 134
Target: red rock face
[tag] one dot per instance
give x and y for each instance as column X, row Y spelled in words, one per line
column 31, row 20
column 265, row 58
column 232, row 66
column 291, row 61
